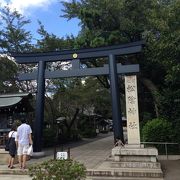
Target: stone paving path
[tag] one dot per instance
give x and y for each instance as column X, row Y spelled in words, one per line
column 171, row 169
column 92, row 153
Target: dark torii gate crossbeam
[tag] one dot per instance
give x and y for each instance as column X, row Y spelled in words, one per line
column 76, row 56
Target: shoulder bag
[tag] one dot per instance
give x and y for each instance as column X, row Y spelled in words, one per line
column 8, row 142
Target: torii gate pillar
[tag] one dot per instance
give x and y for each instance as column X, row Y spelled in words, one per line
column 39, row 112
column 115, row 99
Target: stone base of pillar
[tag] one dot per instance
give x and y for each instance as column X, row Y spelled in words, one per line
column 136, row 154
column 129, row 162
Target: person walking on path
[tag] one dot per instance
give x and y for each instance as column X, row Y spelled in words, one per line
column 12, row 146
column 24, row 139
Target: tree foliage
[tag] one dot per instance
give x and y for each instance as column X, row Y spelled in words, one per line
column 163, row 54
column 106, row 23
column 50, row 42
column 74, row 98
column 8, row 70
column 14, row 37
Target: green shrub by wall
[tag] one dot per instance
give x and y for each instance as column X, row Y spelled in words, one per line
column 157, row 130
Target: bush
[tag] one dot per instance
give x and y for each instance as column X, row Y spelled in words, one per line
column 158, row 130
column 58, row 170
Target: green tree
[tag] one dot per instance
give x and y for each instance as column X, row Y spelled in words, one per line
column 74, row 98
column 162, row 58
column 107, row 23
column 8, row 71
column 14, row 37
column 50, row 42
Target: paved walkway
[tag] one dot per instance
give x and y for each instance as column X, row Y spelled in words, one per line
column 92, row 153
column 171, row 169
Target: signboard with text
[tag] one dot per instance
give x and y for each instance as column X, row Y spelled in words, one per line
column 62, row 155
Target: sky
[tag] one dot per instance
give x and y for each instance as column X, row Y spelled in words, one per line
column 48, row 12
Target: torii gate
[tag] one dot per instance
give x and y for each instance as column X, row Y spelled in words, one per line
column 76, row 56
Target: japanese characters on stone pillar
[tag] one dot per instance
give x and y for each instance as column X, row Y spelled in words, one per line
column 132, row 113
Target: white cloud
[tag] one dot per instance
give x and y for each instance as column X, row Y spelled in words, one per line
column 24, row 5
column 2, row 2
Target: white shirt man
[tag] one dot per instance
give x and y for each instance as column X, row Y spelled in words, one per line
column 24, row 140
column 23, row 132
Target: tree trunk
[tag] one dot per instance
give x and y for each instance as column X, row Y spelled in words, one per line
column 153, row 90
column 69, row 126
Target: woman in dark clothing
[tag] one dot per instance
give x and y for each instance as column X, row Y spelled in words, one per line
column 12, row 146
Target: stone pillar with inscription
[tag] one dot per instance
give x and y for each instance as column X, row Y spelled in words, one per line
column 132, row 113
column 133, row 159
